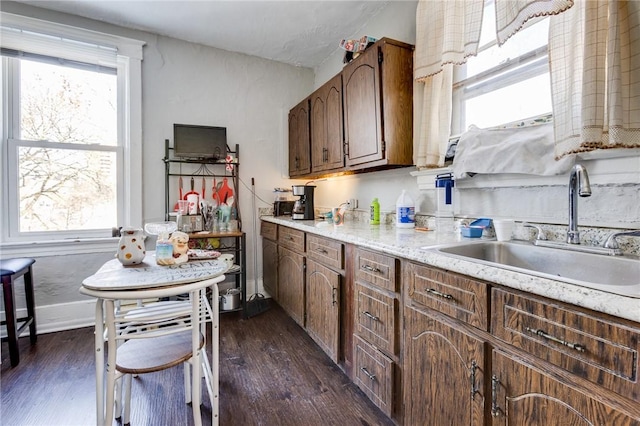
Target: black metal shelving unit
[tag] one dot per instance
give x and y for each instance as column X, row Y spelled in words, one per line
column 232, row 241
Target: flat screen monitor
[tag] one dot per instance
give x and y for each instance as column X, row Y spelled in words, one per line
column 191, row 141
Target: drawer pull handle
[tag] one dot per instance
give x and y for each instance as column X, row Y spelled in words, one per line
column 369, row 375
column 368, row 314
column 578, row 347
column 495, row 410
column 321, row 250
column 474, row 389
column 373, row 269
column 439, row 294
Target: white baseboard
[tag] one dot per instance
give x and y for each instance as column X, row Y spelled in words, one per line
column 60, row 317
column 72, row 315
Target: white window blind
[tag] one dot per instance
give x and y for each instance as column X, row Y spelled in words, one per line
column 24, row 40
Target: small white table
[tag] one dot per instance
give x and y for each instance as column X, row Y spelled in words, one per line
column 114, row 282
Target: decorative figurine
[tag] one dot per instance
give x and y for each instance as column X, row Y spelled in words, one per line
column 180, row 242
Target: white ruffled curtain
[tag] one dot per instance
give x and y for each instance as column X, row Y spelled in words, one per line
column 447, row 33
column 594, row 52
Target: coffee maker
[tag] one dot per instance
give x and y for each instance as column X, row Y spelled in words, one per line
column 303, row 207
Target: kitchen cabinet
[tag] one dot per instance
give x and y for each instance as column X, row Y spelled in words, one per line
column 269, row 232
column 376, row 328
column 525, row 395
column 291, row 273
column 326, row 127
column 299, row 140
column 323, row 289
column 444, row 373
column 291, row 267
column 378, row 106
column 548, row 360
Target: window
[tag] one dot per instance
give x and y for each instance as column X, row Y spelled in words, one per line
column 70, row 132
column 65, row 148
column 503, row 84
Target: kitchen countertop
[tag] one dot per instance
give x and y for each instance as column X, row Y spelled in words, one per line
column 408, row 244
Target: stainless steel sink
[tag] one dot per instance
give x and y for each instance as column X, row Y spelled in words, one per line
column 618, row 275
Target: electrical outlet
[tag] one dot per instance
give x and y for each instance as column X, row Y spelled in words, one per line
column 352, row 204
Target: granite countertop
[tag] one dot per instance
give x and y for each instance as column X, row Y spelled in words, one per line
column 410, row 243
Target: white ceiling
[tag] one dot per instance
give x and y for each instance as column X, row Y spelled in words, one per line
column 301, row 33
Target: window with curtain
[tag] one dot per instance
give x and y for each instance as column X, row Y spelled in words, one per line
column 503, row 84
column 66, row 145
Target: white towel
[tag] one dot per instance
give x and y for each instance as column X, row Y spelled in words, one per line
column 520, row 150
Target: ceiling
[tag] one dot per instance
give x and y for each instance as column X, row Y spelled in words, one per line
column 301, row 33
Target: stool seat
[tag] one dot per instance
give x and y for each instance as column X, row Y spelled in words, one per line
column 10, row 270
column 13, row 266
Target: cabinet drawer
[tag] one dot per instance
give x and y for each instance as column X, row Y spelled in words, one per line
column 269, row 230
column 375, row 318
column 328, row 252
column 291, row 238
column 377, row 269
column 452, row 294
column 373, row 374
column 586, row 345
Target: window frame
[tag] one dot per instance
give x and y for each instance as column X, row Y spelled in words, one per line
column 129, row 148
column 530, row 64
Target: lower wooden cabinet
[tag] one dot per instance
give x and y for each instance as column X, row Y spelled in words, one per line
column 270, row 268
column 291, row 283
column 323, row 307
column 523, row 395
column 443, row 373
column 374, row 374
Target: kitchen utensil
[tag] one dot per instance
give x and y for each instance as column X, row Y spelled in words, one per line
column 176, row 207
column 230, row 299
column 225, row 190
column 204, row 183
column 192, row 192
column 214, row 191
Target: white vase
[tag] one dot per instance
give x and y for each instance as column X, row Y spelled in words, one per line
column 131, row 250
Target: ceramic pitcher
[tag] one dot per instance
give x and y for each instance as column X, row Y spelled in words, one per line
column 131, row 249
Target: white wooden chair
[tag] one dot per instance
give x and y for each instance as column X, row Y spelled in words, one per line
column 159, row 336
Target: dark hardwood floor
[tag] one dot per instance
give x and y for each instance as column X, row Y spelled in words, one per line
column 271, row 373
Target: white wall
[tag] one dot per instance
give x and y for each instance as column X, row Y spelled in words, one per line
column 186, row 83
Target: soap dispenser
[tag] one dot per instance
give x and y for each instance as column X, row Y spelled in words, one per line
column 444, row 201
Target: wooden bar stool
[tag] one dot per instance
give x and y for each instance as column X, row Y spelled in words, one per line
column 11, row 269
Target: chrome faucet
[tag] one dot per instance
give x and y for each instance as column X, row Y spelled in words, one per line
column 578, row 185
column 612, row 242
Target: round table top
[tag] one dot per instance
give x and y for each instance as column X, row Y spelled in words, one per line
column 114, row 276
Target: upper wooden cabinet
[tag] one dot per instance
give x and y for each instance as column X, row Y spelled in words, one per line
column 299, row 155
column 326, row 127
column 378, row 106
column 361, row 119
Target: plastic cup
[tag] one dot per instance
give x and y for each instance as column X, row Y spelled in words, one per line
column 503, row 228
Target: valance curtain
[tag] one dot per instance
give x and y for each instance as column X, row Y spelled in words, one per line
column 447, row 33
column 594, row 54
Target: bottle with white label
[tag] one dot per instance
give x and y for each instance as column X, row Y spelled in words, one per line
column 405, row 211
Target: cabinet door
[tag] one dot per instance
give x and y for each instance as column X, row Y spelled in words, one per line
column 362, row 115
column 270, row 268
column 323, row 307
column 326, row 126
column 299, row 142
column 522, row 395
column 443, row 373
column 291, row 283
